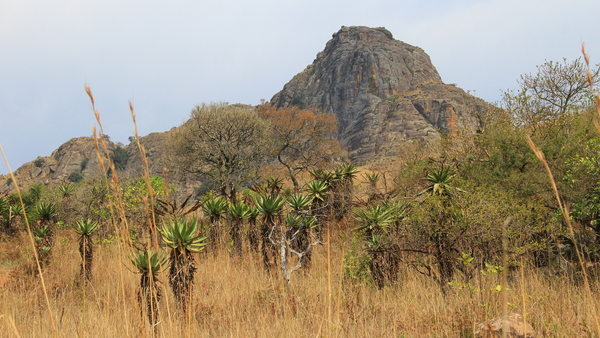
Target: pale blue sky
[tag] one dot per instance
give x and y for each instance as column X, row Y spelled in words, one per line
column 169, row 56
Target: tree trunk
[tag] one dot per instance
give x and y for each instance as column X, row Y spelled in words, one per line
column 236, row 236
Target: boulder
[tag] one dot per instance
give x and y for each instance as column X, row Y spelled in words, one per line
column 514, row 324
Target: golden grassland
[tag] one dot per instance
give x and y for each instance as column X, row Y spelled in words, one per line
column 237, row 298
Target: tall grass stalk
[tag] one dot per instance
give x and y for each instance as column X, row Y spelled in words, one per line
column 150, row 207
column 590, row 78
column 116, row 193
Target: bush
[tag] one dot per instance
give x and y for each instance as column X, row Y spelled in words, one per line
column 84, row 163
column 75, row 177
column 120, row 157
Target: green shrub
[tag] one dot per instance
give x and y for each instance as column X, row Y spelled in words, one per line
column 75, row 177
column 84, row 163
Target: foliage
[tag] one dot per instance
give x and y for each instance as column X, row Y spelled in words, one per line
column 75, row 177
column 39, row 162
column 136, row 197
column 136, row 191
column 182, row 235
column 45, row 212
column 84, row 163
column 120, row 157
column 30, row 197
column 85, row 227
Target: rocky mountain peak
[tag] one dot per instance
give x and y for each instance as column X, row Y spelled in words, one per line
column 381, row 89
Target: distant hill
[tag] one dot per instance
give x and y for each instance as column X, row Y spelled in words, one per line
column 77, row 158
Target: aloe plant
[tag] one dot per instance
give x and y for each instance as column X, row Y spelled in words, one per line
column 184, row 239
column 149, row 264
column 300, row 205
column 253, row 235
column 85, row 229
column 45, row 213
column 238, row 211
column 440, row 183
column 375, row 221
column 318, row 190
column 215, row 208
column 66, row 190
column 270, row 209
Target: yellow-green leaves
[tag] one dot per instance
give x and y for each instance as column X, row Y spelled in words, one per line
column 184, row 235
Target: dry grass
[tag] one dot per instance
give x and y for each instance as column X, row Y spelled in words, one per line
column 236, row 298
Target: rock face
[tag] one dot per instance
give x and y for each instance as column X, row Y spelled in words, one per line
column 154, row 144
column 383, row 91
column 78, row 155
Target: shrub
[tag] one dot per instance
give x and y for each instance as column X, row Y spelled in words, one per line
column 84, row 163
column 75, row 177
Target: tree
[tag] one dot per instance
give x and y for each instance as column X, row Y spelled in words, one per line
column 557, row 89
column 302, row 139
column 225, row 143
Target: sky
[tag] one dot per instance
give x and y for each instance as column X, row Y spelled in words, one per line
column 168, row 56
